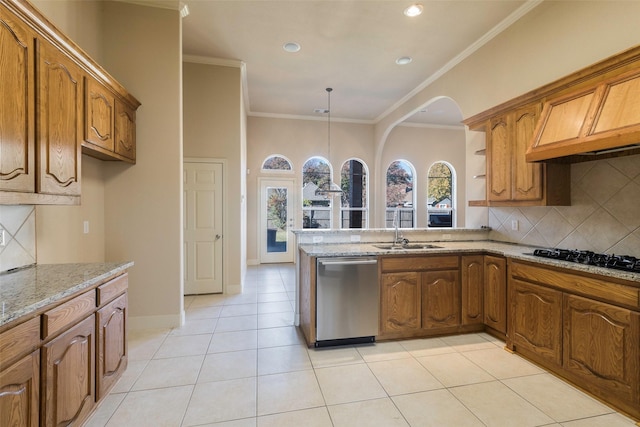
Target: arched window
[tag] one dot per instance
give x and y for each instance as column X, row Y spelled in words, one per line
column 316, row 209
column 354, row 206
column 276, row 162
column 440, row 195
column 400, row 195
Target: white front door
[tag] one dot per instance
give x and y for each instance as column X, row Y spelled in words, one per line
column 202, row 228
column 277, row 208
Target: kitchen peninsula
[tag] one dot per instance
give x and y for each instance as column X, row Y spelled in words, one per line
column 579, row 321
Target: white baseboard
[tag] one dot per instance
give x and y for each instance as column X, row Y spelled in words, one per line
column 253, row 262
column 233, row 289
column 155, row 322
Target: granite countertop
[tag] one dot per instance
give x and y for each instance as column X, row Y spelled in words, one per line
column 510, row 250
column 27, row 290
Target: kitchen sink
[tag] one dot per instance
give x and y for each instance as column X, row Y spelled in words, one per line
column 408, row 246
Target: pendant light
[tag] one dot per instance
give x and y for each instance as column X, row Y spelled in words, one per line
column 330, row 189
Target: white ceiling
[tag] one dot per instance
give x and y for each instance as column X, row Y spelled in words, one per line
column 349, row 45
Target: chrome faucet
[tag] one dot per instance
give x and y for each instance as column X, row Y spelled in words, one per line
column 398, row 239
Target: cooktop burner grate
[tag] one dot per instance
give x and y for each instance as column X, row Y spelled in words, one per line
column 618, row 262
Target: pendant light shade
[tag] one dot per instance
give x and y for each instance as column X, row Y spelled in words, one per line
column 329, row 189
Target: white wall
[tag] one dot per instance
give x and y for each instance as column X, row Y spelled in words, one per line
column 213, row 128
column 298, row 140
column 424, row 146
column 143, row 202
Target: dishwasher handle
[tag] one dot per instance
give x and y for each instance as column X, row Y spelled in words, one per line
column 367, row 261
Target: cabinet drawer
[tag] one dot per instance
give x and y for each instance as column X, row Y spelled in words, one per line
column 112, row 288
column 19, row 340
column 71, row 312
column 573, row 283
column 416, row 263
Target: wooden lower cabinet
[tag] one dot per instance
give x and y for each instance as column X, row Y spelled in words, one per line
column 440, row 299
column 601, row 350
column 594, row 344
column 536, row 321
column 68, row 368
column 111, row 327
column 420, row 295
column 20, row 391
column 472, row 289
column 495, row 293
column 400, row 302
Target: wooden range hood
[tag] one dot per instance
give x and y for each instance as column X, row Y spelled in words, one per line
column 594, row 122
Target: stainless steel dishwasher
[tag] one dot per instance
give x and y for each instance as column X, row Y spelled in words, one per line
column 347, row 300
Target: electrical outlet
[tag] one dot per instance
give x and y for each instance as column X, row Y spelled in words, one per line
column 3, row 242
column 514, row 224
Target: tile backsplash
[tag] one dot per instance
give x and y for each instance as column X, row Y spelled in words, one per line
column 604, row 215
column 19, row 225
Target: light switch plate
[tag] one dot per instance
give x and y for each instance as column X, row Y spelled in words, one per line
column 3, row 241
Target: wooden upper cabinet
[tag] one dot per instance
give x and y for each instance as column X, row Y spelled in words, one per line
column 99, row 115
column 527, row 181
column 511, row 180
column 125, row 131
column 56, row 104
column 109, row 125
column 499, row 139
column 60, row 83
column 17, row 103
column 602, row 117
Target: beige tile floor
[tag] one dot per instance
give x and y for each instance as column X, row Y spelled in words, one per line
column 239, row 362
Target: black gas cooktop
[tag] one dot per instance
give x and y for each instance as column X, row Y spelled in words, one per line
column 618, row 262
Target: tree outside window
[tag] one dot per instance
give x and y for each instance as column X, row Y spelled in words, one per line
column 400, row 193
column 276, row 162
column 316, row 209
column 440, row 195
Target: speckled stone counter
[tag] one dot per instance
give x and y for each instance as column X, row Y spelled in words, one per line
column 510, row 250
column 28, row 290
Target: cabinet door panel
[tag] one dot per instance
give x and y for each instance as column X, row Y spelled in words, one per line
column 440, row 299
column 499, row 159
column 537, row 320
column 19, row 392
column 125, row 131
column 400, row 302
column 602, row 346
column 112, row 344
column 100, row 113
column 69, row 372
column 495, row 293
column 17, row 144
column 472, row 289
column 59, row 122
column 527, row 177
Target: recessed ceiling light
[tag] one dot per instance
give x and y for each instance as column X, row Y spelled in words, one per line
column 404, row 60
column 291, row 47
column 414, row 10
